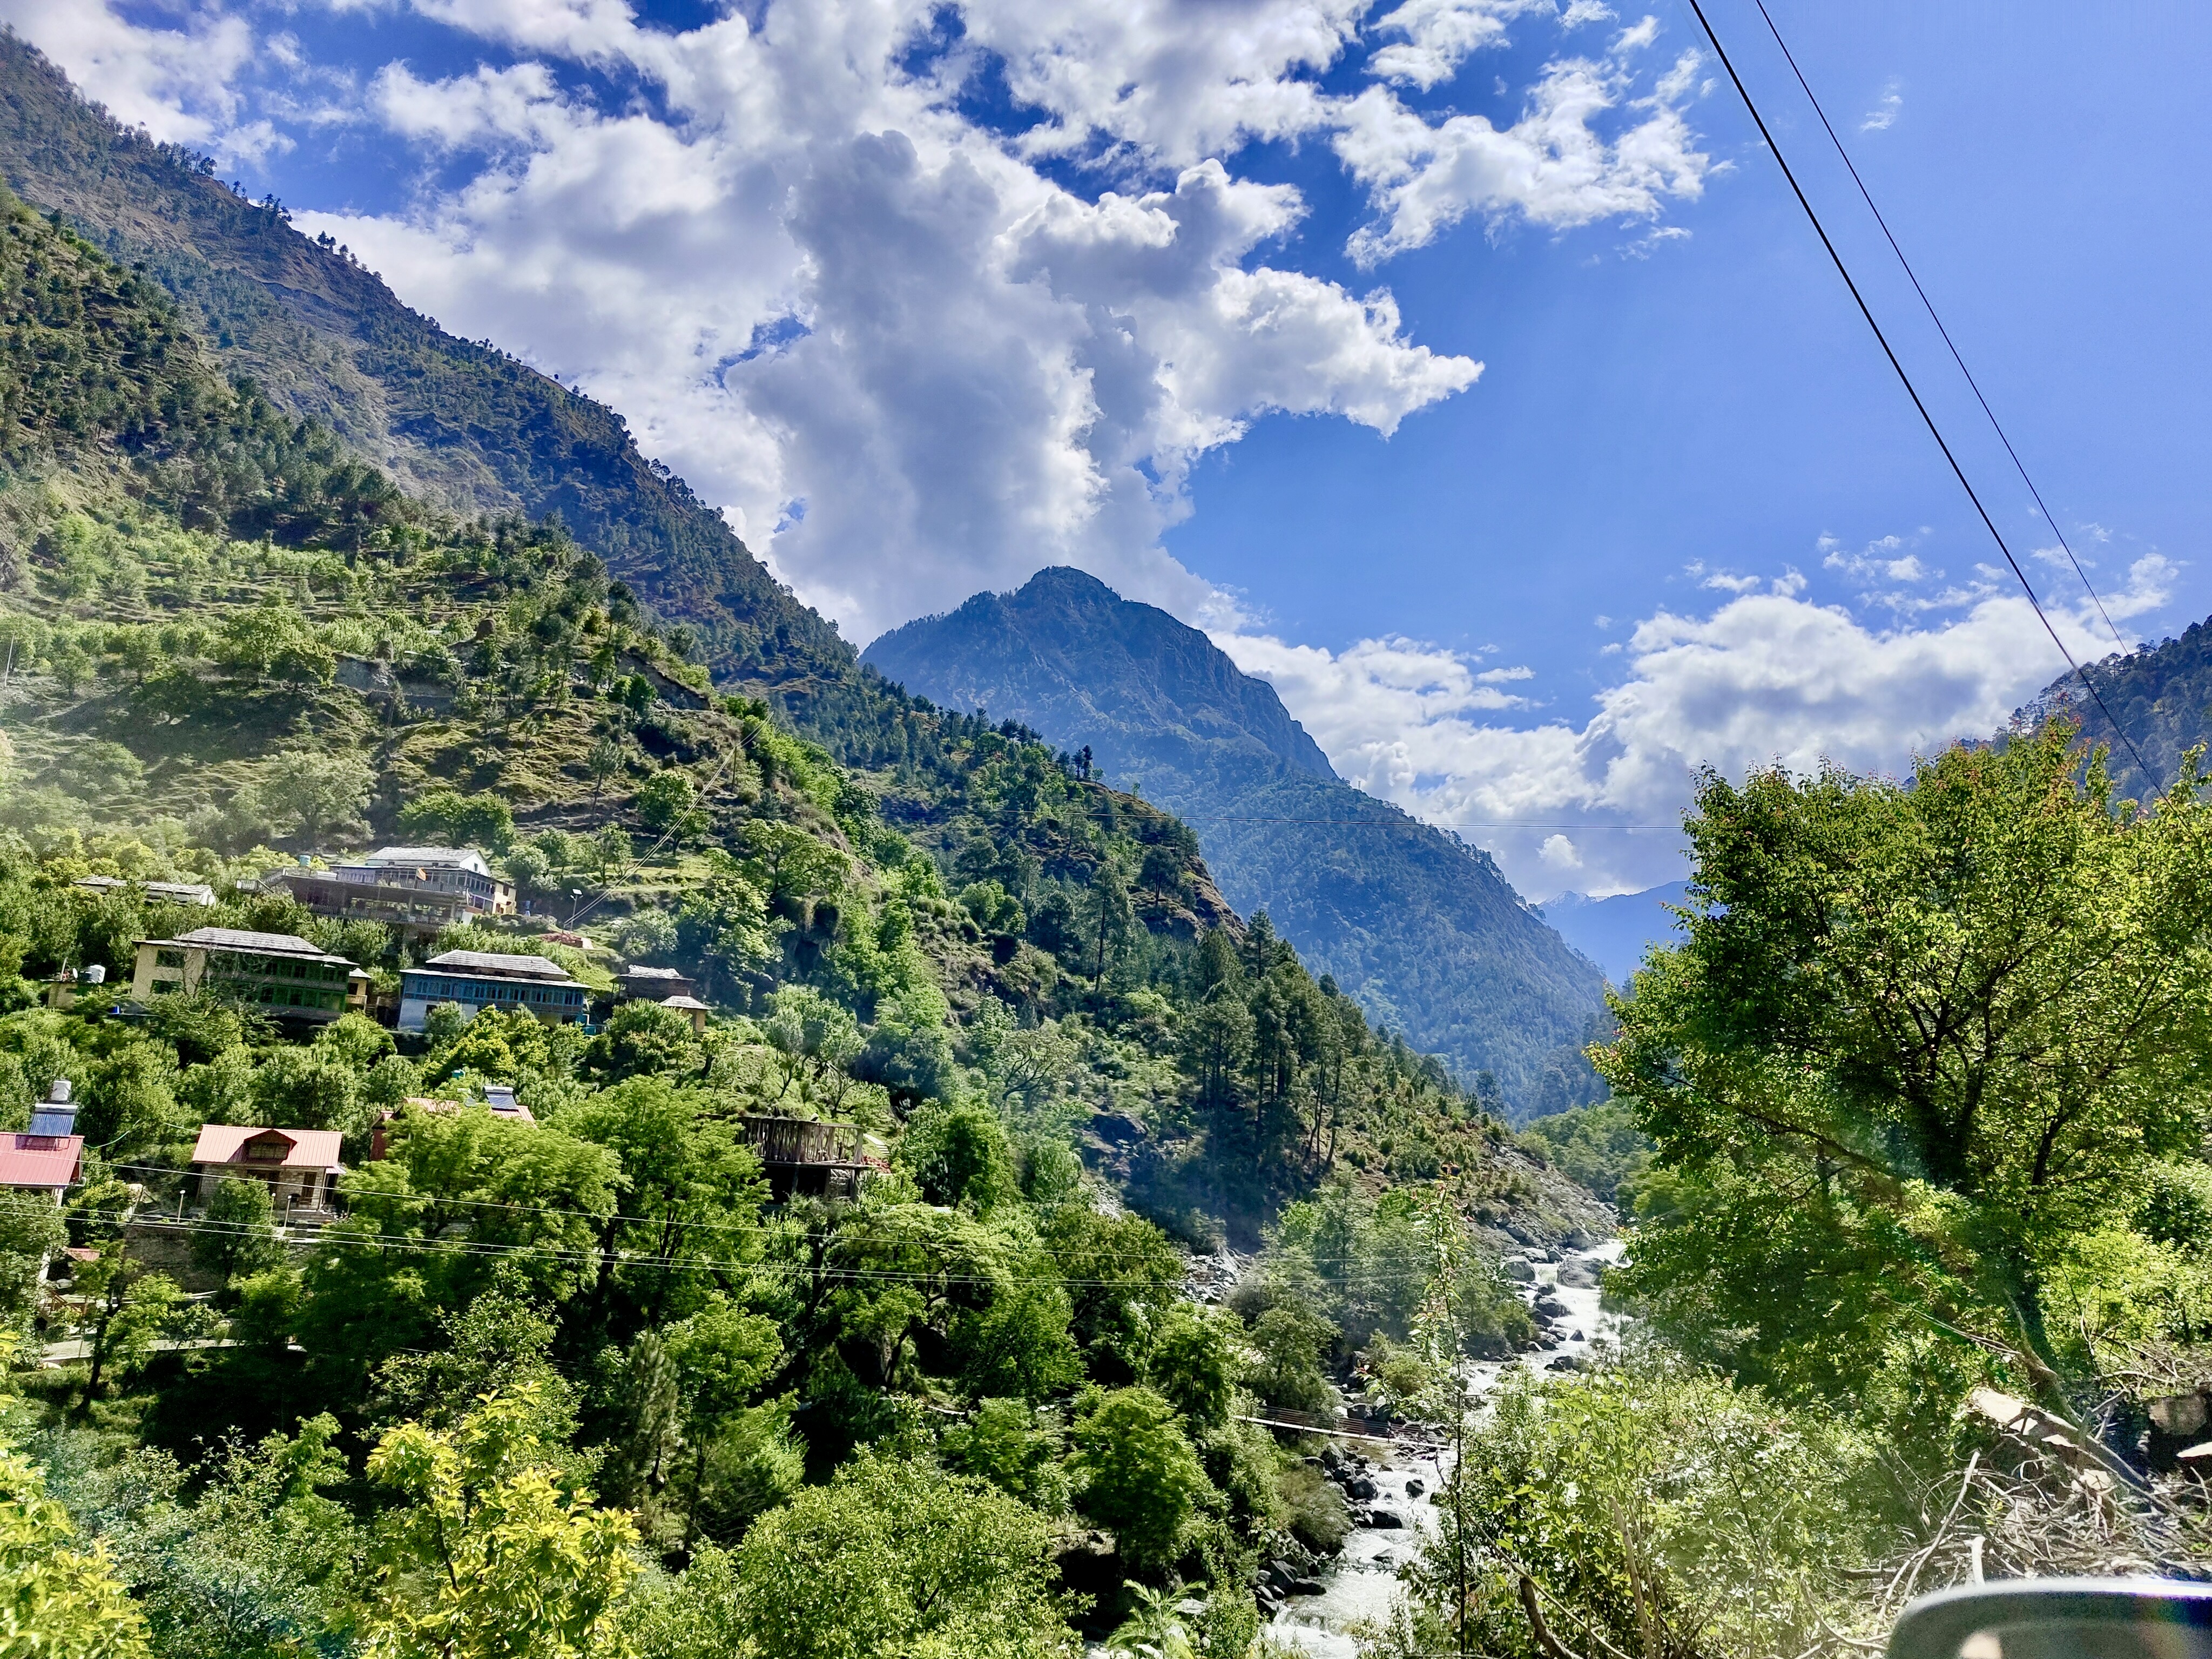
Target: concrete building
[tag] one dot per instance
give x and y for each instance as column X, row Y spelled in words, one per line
column 419, row 891
column 485, row 979
column 299, row 1167
column 48, row 1157
column 281, row 974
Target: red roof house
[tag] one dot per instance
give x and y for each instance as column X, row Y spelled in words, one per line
column 299, row 1167
column 46, row 1156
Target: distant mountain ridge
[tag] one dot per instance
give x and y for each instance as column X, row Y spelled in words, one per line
column 1615, row 933
column 1421, row 927
column 454, row 422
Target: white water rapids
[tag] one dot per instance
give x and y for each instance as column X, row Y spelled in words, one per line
column 1357, row 1588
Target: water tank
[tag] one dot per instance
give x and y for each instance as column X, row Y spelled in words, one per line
column 96, row 974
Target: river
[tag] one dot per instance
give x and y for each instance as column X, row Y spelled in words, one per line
column 1357, row 1589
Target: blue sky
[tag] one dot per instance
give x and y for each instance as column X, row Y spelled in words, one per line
column 1192, row 295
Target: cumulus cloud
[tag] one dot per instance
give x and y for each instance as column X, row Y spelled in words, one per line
column 177, row 77
column 1438, row 35
column 1768, row 678
column 1553, row 166
column 912, row 352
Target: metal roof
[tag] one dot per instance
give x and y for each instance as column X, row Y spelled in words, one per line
column 224, row 1142
column 39, row 1160
column 444, row 858
column 237, row 938
column 492, row 962
column 685, row 1003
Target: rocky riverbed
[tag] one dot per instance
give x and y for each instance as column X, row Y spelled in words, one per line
column 1389, row 1484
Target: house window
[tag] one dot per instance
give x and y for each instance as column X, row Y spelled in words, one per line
column 168, row 958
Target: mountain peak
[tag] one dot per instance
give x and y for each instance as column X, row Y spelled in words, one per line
column 1414, row 923
column 1066, row 653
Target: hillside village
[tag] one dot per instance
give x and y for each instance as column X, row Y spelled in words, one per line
column 547, row 1111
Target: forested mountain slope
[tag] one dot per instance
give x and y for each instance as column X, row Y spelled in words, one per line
column 2162, row 697
column 459, row 424
column 1418, row 926
column 574, row 1378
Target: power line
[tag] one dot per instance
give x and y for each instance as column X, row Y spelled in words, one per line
column 766, row 1231
column 1912, row 276
column 494, row 1249
column 1910, row 390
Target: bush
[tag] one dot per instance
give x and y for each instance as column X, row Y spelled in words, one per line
column 895, row 1557
column 645, row 934
column 1286, row 1368
column 1137, row 1475
column 1313, row 1509
column 446, row 818
column 959, row 1155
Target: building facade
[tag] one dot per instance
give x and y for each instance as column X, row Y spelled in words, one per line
column 415, row 891
column 281, row 974
column 475, row 980
column 299, row 1167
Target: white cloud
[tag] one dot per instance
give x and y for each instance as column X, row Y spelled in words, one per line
column 1883, row 116
column 1766, row 678
column 908, row 359
column 1439, row 35
column 177, row 78
column 1553, row 167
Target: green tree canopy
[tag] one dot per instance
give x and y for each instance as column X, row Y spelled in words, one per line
column 1919, row 1040
column 897, row 1557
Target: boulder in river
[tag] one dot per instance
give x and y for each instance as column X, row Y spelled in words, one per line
column 1360, row 1487
column 1414, row 1489
column 1385, row 1519
column 1518, row 1269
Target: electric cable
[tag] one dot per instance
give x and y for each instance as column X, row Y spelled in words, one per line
column 1913, row 276
column 1911, row 391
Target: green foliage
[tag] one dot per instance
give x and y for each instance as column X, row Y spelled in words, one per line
column 898, row 1558
column 1599, row 1147
column 446, row 818
column 31, row 1232
column 1919, row 1043
column 1285, row 1372
column 55, row 1598
column 1671, row 1511
column 490, row 1553
column 1008, row 1443
column 1193, row 1363
column 237, row 1237
column 958, row 1154
column 1136, row 1474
